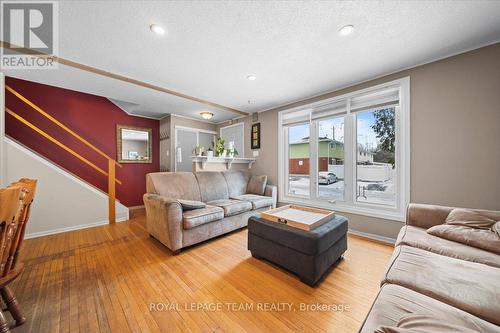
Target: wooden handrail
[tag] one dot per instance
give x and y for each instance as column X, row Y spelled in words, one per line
column 58, row 123
column 55, row 141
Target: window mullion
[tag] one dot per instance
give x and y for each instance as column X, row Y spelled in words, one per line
column 313, row 160
column 349, row 163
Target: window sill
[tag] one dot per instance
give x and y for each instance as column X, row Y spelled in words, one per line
column 396, row 216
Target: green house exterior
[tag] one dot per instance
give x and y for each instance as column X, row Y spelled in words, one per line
column 330, row 152
column 327, row 148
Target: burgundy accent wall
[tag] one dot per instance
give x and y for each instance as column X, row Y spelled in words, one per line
column 94, row 118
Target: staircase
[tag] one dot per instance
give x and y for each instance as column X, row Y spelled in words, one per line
column 64, row 201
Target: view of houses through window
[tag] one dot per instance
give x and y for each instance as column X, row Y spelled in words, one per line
column 375, row 163
column 375, row 169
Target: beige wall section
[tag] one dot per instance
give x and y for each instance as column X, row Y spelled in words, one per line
column 455, row 134
column 167, row 160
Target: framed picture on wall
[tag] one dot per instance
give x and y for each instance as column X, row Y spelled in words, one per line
column 255, row 136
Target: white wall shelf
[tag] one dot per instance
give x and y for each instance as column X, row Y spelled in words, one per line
column 203, row 160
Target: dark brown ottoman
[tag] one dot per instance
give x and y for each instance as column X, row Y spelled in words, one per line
column 308, row 254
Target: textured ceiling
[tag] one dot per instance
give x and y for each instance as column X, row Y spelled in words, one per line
column 292, row 47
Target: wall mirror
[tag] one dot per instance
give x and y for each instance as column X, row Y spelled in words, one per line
column 133, row 144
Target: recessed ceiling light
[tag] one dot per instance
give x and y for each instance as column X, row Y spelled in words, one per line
column 251, row 77
column 157, row 29
column 206, row 115
column 346, row 30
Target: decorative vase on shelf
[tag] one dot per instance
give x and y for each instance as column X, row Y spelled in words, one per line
column 210, row 153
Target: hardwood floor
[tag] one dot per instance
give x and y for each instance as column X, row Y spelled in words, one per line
column 117, row 279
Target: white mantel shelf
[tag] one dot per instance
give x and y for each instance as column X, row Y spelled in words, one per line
column 227, row 160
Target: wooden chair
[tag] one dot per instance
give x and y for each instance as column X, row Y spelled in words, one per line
column 15, row 204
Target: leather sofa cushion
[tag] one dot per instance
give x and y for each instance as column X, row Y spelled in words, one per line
column 395, row 302
column 257, row 185
column 212, row 186
column 196, row 217
column 480, row 238
column 258, row 201
column 232, row 207
column 466, row 285
column 236, row 182
column 418, row 237
column 307, row 242
column 174, row 185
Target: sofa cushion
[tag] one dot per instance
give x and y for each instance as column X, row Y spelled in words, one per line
column 418, row 237
column 212, row 185
column 257, row 185
column 424, row 324
column 196, row 217
column 236, row 182
column 174, row 185
column 395, row 302
column 307, row 242
column 466, row 285
column 232, row 207
column 469, row 218
column 480, row 238
column 191, row 204
column 258, row 201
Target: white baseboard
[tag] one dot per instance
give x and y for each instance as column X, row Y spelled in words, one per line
column 72, row 228
column 382, row 239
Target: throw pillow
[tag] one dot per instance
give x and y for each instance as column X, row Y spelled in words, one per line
column 496, row 228
column 191, row 204
column 480, row 238
column 469, row 218
column 257, row 185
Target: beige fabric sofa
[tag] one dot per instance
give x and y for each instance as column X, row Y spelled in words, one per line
column 435, row 277
column 225, row 193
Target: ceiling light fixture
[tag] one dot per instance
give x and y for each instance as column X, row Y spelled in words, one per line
column 206, row 115
column 157, row 29
column 346, row 30
column 251, row 77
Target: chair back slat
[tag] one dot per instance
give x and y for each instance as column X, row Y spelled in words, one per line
column 9, row 213
column 28, row 187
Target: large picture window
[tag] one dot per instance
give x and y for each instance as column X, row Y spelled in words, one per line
column 349, row 153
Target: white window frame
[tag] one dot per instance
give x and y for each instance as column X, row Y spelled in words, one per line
column 349, row 204
column 188, row 129
column 242, row 153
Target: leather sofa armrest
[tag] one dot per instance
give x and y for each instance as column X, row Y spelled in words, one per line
column 164, row 220
column 272, row 191
column 426, row 216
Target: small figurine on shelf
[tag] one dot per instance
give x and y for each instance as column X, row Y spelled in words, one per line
column 231, row 151
column 198, row 150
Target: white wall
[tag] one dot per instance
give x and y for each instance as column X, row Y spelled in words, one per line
column 62, row 202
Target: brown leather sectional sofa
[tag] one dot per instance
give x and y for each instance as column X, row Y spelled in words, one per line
column 439, row 280
column 228, row 205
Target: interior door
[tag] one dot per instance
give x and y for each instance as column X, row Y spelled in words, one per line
column 186, row 141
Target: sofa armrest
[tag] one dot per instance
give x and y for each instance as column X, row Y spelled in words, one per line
column 164, row 220
column 426, row 216
column 272, row 191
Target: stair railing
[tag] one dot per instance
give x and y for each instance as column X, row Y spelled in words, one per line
column 110, row 173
